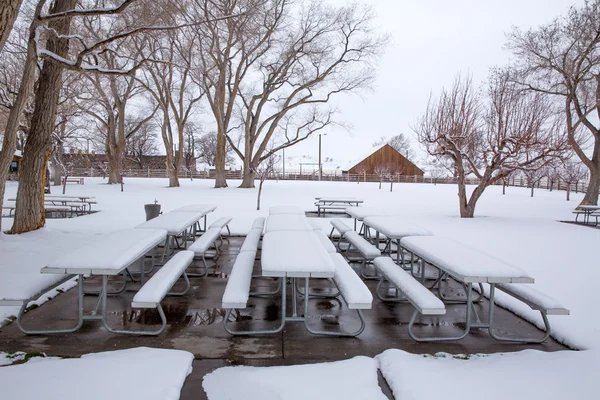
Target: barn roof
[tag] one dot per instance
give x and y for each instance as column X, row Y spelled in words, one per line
column 363, row 156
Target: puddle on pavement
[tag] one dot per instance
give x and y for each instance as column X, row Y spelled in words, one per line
column 206, row 316
column 325, row 305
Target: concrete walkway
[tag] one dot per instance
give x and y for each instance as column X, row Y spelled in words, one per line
column 195, row 325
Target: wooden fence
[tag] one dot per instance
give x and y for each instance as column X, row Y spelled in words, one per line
column 335, row 177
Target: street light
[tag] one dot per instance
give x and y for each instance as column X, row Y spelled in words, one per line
column 320, row 164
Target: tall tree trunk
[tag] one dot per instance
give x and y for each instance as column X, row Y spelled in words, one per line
column 568, row 192
column 248, row 178
column 532, row 187
column 9, row 144
column 9, row 9
column 591, row 194
column 220, row 179
column 173, row 178
column 115, row 162
column 248, row 174
column 29, row 214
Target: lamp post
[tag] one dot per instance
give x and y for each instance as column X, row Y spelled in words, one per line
column 320, row 164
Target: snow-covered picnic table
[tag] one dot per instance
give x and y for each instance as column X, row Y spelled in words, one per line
column 360, row 213
column 287, row 222
column 109, row 255
column 335, row 203
column 467, row 266
column 205, row 209
column 394, row 228
column 587, row 211
column 285, row 210
column 175, row 223
column 299, row 254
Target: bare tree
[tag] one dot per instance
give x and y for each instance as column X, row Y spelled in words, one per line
column 316, row 54
column 383, row 170
column 142, row 142
column 172, row 88
column 534, row 176
column 206, row 148
column 561, row 60
column 400, row 143
column 265, row 170
column 436, row 170
column 489, row 137
column 572, row 172
column 361, row 170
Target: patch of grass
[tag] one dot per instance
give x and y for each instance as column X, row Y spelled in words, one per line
column 31, row 307
column 19, row 357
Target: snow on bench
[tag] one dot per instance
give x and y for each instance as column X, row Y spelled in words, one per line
column 221, row 223
column 237, row 290
column 259, row 223
column 156, row 288
column 201, row 246
column 205, row 242
column 353, row 289
column 418, row 295
column 340, row 226
column 368, row 251
column 534, row 299
column 252, row 240
column 315, row 225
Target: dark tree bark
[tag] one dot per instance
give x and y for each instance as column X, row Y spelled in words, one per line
column 30, row 213
column 9, row 9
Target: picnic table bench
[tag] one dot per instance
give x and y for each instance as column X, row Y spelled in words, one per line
column 79, row 181
column 469, row 266
column 335, row 203
column 110, row 255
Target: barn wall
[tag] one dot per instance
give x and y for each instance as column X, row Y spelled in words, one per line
column 386, row 154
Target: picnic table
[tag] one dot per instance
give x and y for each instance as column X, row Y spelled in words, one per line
column 287, row 222
column 467, row 266
column 335, row 203
column 285, row 210
column 175, row 223
column 394, row 229
column 587, row 211
column 294, row 254
column 70, row 201
column 202, row 208
column 360, row 213
column 110, row 255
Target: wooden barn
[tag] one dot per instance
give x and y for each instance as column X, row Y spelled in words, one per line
column 388, row 156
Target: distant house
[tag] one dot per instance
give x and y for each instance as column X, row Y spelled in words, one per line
column 385, row 155
column 97, row 161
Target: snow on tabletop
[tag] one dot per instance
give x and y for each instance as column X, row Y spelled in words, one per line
column 285, row 210
column 251, row 240
column 325, row 242
column 294, row 253
column 201, row 208
column 355, row 292
column 287, row 222
column 238, row 285
column 428, row 303
column 396, row 227
column 361, row 213
column 113, row 251
column 159, row 284
column 524, row 375
column 355, row 378
column 173, row 222
column 466, row 261
column 138, row 373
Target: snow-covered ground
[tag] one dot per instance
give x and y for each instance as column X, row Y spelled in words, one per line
column 522, row 230
column 138, row 373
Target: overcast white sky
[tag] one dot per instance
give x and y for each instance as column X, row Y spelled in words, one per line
column 431, row 41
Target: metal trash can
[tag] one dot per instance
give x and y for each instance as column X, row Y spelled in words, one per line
column 152, row 211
